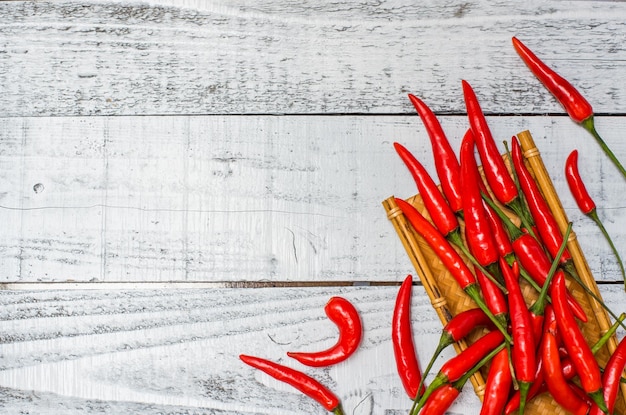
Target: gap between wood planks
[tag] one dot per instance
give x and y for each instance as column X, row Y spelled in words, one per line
column 138, row 285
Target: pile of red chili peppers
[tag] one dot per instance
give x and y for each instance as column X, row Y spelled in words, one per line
column 525, row 347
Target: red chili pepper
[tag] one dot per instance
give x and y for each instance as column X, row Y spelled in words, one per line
column 440, row 400
column 446, row 164
column 449, row 258
column 547, row 225
column 498, row 385
column 578, row 108
column 341, row 312
column 500, row 237
column 301, row 381
column 402, row 339
column 495, row 170
column 477, row 229
column 523, row 351
column 586, row 203
column 442, row 215
column 575, row 343
column 612, row 377
column 575, row 104
column 557, row 385
column 494, row 297
column 533, row 259
column 457, row 366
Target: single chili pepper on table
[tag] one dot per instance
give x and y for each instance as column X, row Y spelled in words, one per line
column 586, row 203
column 498, row 384
column 446, row 164
column 575, row 343
column 456, row 329
column 523, row 351
column 450, row 259
column 500, row 181
column 301, row 381
column 457, row 366
column 341, row 312
column 402, row 339
column 577, row 107
column 440, row 212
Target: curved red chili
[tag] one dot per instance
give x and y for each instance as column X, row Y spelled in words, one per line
column 301, row 381
column 402, row 339
column 499, row 381
column 496, row 173
column 449, row 258
column 578, row 108
column 500, row 237
column 575, row 343
column 586, row 203
column 494, row 297
column 477, row 229
column 557, row 385
column 341, row 312
column 440, row 212
column 547, row 226
column 446, row 164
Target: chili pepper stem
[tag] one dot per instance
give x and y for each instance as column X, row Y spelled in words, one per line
column 437, row 382
column 457, row 240
column 444, row 341
column 523, row 393
column 594, row 215
column 520, row 210
column 338, row 410
column 474, row 292
column 589, row 125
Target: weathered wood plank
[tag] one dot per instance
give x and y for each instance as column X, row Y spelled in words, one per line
column 248, row 198
column 175, row 351
column 119, row 58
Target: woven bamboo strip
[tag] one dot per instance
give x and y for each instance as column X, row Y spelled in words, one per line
column 542, row 177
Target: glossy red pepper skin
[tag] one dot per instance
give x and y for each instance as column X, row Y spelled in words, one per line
column 402, row 339
column 446, row 163
column 612, row 377
column 577, row 348
column 301, row 381
column 578, row 108
column 533, row 259
column 448, row 256
column 440, row 212
column 498, row 385
column 456, row 367
column 496, row 173
column 463, row 323
column 346, row 317
column 494, row 297
column 547, row 226
column 500, row 237
column 477, row 228
column 557, row 385
column 523, row 351
column 576, row 184
column 440, row 400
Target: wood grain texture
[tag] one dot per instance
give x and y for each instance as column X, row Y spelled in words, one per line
column 249, row 198
column 212, row 57
column 176, row 351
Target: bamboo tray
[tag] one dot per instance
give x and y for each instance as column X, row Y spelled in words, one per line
column 448, row 299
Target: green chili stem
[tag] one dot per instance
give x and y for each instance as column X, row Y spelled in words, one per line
column 589, row 125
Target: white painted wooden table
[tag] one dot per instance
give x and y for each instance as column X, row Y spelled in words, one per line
column 181, row 182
